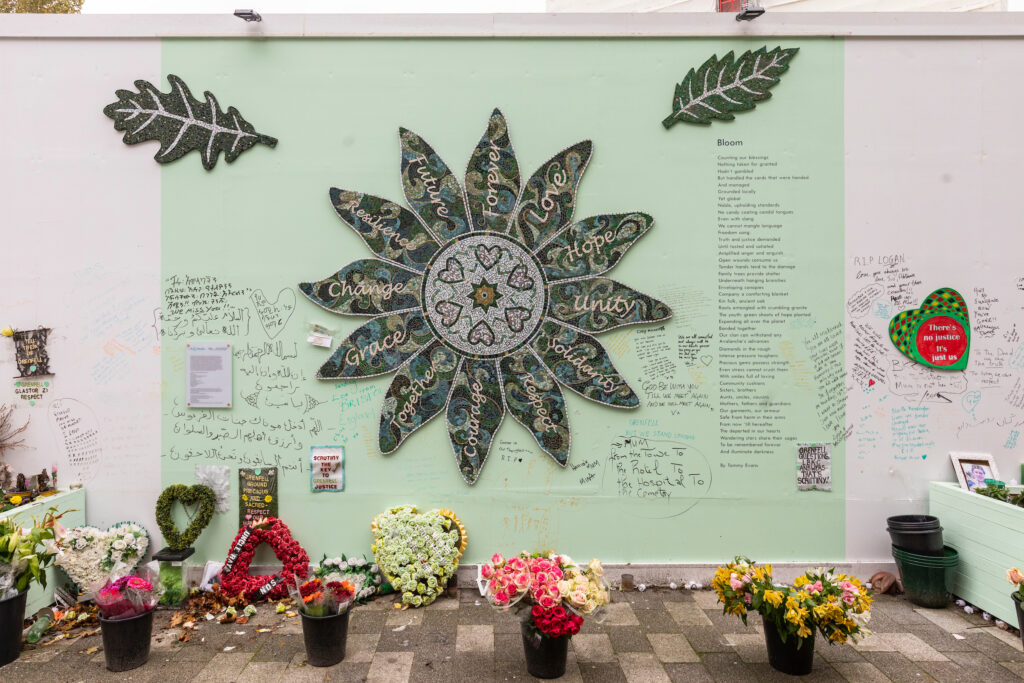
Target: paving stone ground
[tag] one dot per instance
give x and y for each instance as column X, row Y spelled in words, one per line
column 650, row 637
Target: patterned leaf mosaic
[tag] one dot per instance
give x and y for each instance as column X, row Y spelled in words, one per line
column 182, row 124
column 723, row 86
column 485, row 297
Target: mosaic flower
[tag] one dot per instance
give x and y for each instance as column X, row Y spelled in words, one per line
column 485, row 297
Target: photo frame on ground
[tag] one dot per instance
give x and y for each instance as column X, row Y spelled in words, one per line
column 972, row 469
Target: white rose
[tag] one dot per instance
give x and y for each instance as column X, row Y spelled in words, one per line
column 80, row 544
column 119, row 544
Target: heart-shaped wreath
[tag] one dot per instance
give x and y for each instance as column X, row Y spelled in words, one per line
column 234, row 575
column 91, row 556
column 187, row 495
column 418, row 552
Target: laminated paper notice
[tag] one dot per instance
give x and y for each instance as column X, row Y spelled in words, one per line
column 257, row 494
column 814, row 467
column 208, row 373
column 327, row 468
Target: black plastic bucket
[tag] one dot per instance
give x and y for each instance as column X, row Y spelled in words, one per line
column 913, row 522
column 325, row 638
column 12, row 621
column 926, row 579
column 926, row 542
column 1020, row 615
column 126, row 641
column 545, row 657
column 794, row 657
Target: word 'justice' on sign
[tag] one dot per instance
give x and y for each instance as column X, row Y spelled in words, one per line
column 327, row 468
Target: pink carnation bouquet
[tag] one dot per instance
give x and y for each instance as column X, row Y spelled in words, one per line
column 129, row 596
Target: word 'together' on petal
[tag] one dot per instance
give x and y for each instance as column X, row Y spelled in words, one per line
column 378, row 347
column 593, row 245
column 389, row 230
column 535, row 401
column 417, row 394
column 578, row 361
column 549, row 196
column 475, row 411
column 366, row 287
column 492, row 178
column 599, row 304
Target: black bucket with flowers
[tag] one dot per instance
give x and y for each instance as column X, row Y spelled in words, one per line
column 126, row 618
column 836, row 605
column 558, row 593
column 324, row 608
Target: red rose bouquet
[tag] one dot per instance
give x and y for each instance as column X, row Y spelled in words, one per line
column 561, row 593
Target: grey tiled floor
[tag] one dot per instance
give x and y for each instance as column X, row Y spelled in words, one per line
column 654, row 636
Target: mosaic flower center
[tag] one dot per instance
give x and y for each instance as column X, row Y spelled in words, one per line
column 484, row 295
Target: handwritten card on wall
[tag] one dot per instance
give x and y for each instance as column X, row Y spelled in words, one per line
column 814, row 467
column 208, row 374
column 327, row 468
column 257, row 493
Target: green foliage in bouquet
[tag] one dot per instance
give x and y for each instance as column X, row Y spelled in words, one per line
column 26, row 553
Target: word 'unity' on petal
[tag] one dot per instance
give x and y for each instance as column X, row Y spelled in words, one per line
column 485, row 297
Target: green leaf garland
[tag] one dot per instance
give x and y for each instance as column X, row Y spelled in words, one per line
column 181, row 123
column 188, row 495
column 722, row 86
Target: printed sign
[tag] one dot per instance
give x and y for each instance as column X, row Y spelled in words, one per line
column 936, row 335
column 327, row 468
column 208, row 373
column 257, row 494
column 30, row 352
column 814, row 467
column 31, row 391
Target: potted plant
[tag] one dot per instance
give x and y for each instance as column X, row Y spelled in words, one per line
column 24, row 556
column 559, row 594
column 126, row 619
column 324, row 608
column 836, row 605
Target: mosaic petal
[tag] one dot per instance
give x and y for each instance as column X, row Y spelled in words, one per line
column 475, row 411
column 580, row 362
column 535, row 401
column 593, row 245
column 418, row 393
column 549, row 196
column 492, row 178
column 378, row 347
column 366, row 287
column 431, row 189
column 599, row 304
column 391, row 231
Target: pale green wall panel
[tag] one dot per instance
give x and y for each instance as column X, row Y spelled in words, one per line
column 335, row 105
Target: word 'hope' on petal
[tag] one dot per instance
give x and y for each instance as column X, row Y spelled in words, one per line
column 593, row 245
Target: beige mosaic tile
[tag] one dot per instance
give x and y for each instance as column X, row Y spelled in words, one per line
column 672, row 648
column 687, row 614
column 474, row 639
column 642, row 667
column 593, row 647
column 860, row 672
column 390, row 667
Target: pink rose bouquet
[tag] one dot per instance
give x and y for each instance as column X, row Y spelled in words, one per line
column 129, row 596
column 561, row 593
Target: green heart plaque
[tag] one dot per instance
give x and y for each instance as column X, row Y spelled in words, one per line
column 936, row 335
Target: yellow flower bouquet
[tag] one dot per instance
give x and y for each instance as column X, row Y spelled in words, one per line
column 837, row 605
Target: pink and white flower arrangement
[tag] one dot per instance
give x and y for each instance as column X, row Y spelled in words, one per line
column 552, row 583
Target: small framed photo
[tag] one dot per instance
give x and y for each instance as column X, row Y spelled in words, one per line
column 972, row 469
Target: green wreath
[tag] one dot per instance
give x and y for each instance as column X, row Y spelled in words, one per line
column 197, row 493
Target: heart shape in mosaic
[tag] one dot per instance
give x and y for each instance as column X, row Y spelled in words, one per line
column 452, row 271
column 936, row 335
column 488, row 257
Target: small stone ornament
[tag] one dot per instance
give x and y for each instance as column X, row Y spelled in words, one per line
column 43, row 481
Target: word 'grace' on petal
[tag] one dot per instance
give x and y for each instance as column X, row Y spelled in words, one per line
column 378, row 347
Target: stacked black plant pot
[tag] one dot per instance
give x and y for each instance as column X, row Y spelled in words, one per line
column 925, row 564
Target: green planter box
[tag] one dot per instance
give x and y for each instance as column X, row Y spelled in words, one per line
column 989, row 535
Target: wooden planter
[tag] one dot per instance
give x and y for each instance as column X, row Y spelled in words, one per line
column 989, row 535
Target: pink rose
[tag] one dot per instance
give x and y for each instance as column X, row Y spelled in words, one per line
column 547, row 602
column 849, row 599
column 542, row 577
column 735, row 583
column 497, row 560
column 521, row 581
column 501, row 597
column 487, row 571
